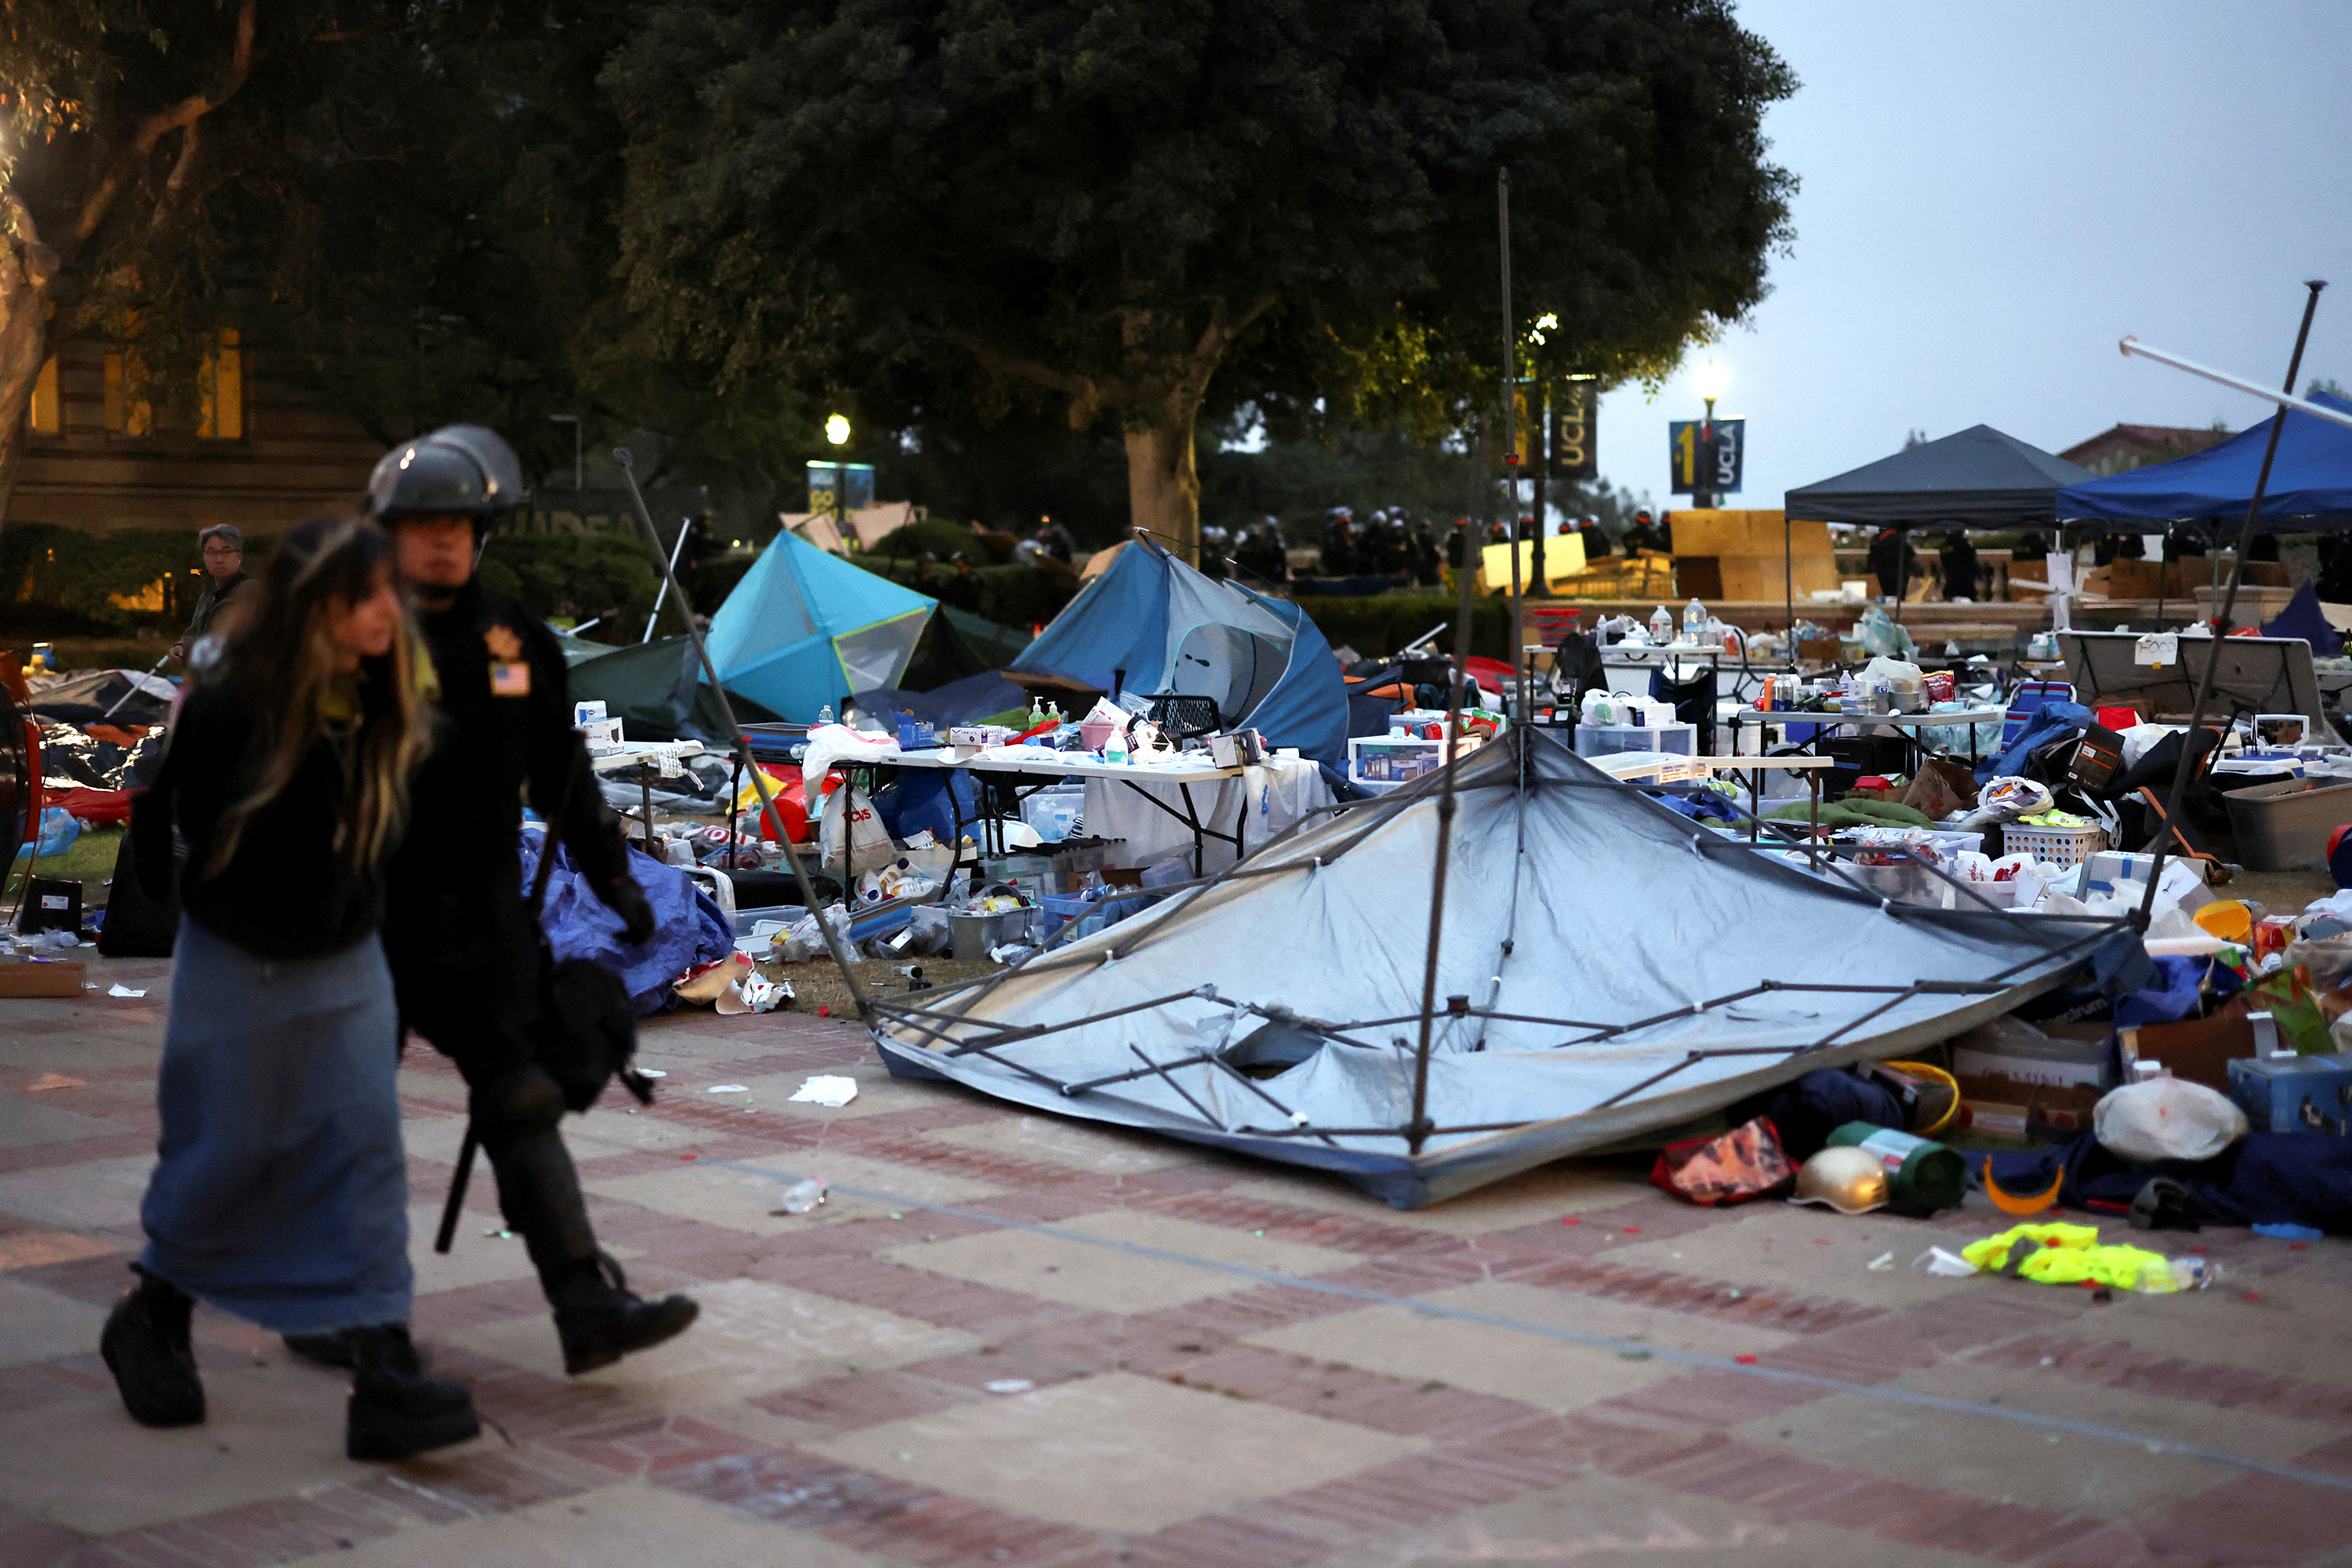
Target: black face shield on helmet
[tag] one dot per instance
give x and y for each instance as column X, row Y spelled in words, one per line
column 458, row 470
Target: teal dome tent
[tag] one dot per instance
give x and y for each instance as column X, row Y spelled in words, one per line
column 804, row 629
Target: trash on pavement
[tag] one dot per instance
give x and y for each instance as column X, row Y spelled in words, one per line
column 828, row 1090
column 1943, row 1264
column 802, row 1195
column 121, row 990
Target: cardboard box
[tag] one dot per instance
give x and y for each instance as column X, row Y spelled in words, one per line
column 41, row 977
column 2197, row 1049
column 2015, row 1051
column 2295, row 1093
column 1996, row 1106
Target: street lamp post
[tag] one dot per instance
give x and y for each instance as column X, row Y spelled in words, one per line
column 1710, row 380
column 836, row 430
column 579, row 466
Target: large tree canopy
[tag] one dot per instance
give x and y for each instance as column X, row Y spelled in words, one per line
column 1116, row 203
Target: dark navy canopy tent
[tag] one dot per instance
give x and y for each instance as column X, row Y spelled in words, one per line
column 1977, row 479
column 2310, row 488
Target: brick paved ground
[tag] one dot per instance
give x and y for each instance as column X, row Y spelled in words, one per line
column 842, row 1400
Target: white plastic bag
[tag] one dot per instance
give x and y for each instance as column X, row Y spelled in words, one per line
column 850, row 811
column 2166, row 1119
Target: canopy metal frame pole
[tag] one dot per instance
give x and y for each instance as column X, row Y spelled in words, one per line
column 2286, row 399
column 760, row 780
column 685, row 527
column 1417, row 1133
column 2187, row 765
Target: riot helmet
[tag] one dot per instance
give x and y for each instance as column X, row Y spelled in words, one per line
column 458, row 470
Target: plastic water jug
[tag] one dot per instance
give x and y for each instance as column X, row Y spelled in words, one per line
column 1694, row 622
column 1662, row 626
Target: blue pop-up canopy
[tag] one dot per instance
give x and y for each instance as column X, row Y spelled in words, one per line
column 1152, row 624
column 804, row 629
column 2310, row 488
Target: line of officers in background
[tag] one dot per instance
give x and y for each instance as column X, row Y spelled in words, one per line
column 1386, row 544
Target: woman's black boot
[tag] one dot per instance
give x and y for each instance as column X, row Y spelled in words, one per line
column 397, row 1410
column 145, row 1345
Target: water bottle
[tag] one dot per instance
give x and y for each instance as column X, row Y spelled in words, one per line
column 1694, row 622
column 1662, row 626
column 1115, row 748
column 824, row 714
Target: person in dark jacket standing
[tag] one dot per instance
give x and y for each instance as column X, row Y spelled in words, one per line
column 223, row 545
column 280, row 1190
column 465, row 958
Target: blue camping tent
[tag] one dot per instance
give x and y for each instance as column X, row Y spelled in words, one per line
column 1152, row 624
column 2310, row 487
column 804, row 629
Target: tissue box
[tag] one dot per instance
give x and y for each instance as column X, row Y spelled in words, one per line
column 979, row 735
column 603, row 735
column 587, row 712
column 2294, row 1094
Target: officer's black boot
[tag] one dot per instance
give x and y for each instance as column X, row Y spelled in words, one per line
column 600, row 1320
column 397, row 1409
column 597, row 1318
column 146, row 1346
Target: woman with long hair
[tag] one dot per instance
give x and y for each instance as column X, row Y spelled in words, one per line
column 280, row 1192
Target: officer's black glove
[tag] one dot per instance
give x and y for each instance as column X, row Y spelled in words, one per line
column 626, row 900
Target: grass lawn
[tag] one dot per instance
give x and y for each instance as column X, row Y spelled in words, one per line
column 90, row 862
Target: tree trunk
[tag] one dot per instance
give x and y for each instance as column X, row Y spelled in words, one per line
column 1163, row 481
column 24, row 273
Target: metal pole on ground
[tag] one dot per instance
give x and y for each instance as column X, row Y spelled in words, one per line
column 760, row 780
column 2181, row 771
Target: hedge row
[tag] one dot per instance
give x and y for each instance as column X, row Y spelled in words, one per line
column 1382, row 624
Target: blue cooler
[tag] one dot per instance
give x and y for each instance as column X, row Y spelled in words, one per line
column 2294, row 1094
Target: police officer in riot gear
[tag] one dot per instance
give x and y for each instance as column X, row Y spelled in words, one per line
column 468, row 966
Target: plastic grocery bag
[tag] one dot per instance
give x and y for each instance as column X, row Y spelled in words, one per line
column 1880, row 635
column 2166, row 1119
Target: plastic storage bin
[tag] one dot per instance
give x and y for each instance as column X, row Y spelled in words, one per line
column 2058, row 845
column 1055, row 812
column 1605, row 740
column 2283, row 826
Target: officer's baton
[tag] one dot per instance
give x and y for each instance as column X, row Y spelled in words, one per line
column 449, row 1231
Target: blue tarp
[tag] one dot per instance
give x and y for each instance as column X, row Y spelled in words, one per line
column 687, row 927
column 2310, row 487
column 1152, row 625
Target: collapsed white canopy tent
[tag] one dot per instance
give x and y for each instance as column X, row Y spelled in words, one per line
column 1607, row 968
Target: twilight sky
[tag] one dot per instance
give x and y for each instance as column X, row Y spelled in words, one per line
column 1994, row 193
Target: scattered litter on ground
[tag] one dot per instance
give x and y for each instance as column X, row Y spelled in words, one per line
column 121, row 990
column 827, row 1089
column 1945, row 1264
column 1009, row 1386
column 802, row 1195
column 727, row 1088
column 1882, row 1263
